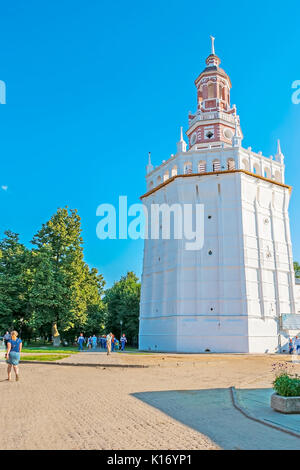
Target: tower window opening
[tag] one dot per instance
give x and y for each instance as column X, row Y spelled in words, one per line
column 278, row 176
column 174, row 171
column 210, row 90
column 202, row 167
column 256, row 169
column 216, row 165
column 230, row 164
column 245, row 164
column 188, row 168
column 267, row 173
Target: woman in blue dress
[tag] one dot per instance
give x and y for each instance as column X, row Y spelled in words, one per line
column 14, row 347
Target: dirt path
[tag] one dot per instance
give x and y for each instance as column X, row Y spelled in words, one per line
column 56, row 407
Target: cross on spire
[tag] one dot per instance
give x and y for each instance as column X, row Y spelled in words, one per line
column 212, row 45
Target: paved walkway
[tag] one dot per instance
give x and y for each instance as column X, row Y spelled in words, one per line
column 257, row 403
column 179, row 402
column 211, row 412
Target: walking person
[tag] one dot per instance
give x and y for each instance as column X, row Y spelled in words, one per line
column 108, row 343
column 291, row 346
column 6, row 337
column 112, row 342
column 297, row 344
column 123, row 341
column 94, row 341
column 80, row 342
column 89, row 342
column 14, row 348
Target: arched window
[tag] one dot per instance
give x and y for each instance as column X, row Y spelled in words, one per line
column 188, row 168
column 267, row 173
column 174, row 170
column 245, row 164
column 230, row 164
column 202, row 166
column 278, row 176
column 210, row 90
column 166, row 175
column 256, row 170
column 158, row 181
column 216, row 165
column 151, row 185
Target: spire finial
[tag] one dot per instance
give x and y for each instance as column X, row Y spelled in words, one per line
column 278, row 147
column 212, row 45
column 279, row 157
column 236, row 139
column 181, row 145
column 149, row 166
column 235, row 127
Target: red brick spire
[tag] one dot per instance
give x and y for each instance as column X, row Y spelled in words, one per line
column 215, row 119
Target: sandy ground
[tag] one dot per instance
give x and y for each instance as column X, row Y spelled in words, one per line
column 175, row 402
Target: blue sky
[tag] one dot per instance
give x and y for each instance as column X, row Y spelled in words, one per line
column 93, row 86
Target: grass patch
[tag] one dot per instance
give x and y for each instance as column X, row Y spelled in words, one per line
column 35, row 345
column 45, row 357
column 49, row 350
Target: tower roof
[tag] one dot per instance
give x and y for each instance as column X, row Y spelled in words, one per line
column 213, row 62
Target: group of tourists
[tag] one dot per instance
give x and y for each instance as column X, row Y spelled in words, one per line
column 13, row 346
column 106, row 342
column 294, row 345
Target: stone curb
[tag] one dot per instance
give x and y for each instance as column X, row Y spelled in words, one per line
column 251, row 416
column 127, row 366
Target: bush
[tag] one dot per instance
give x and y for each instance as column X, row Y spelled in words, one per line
column 287, row 386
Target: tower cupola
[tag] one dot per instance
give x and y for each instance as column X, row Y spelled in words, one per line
column 215, row 121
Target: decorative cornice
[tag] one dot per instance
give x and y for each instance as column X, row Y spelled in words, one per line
column 224, row 172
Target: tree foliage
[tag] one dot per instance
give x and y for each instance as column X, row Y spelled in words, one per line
column 15, row 282
column 52, row 284
column 122, row 302
column 297, row 269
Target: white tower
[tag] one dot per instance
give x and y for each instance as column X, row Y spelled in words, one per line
column 230, row 295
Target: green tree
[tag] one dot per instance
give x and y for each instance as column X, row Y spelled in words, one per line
column 15, row 283
column 93, row 288
column 49, row 297
column 297, row 269
column 65, row 290
column 122, row 302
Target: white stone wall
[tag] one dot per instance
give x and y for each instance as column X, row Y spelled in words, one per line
column 229, row 301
